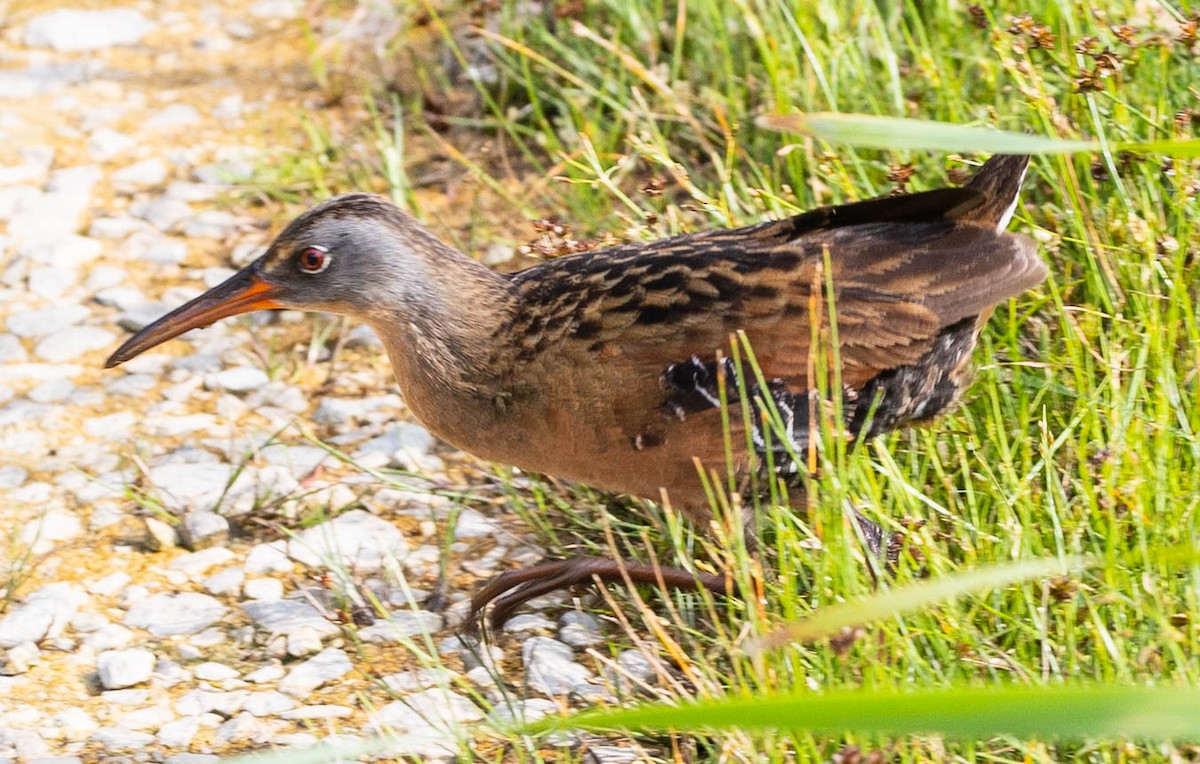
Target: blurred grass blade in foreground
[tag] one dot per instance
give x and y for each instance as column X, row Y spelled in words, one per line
column 884, row 604
column 1075, row 712
column 923, row 134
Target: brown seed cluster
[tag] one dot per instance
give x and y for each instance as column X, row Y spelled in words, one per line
column 554, row 239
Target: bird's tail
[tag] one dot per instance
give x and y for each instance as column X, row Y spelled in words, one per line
column 999, row 180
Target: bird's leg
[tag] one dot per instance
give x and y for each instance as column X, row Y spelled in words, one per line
column 510, row 590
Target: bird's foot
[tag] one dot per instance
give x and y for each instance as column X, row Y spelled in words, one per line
column 510, row 590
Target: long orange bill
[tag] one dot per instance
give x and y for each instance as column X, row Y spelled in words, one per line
column 244, row 292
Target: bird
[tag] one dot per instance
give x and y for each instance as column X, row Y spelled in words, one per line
column 608, row 367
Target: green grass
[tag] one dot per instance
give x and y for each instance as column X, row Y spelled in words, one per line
column 1079, row 435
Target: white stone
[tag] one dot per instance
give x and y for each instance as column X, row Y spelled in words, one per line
column 225, row 583
column 71, row 343
column 211, row 671
column 166, row 614
column 172, row 117
column 326, row 666
column 267, row 589
column 45, row 321
column 69, row 724
column 72, row 30
column 287, row 616
column 144, row 719
column 268, row 703
column 195, row 564
column 240, row 379
column 69, row 251
column 53, row 527
column 119, row 669
column 179, row 733
column 11, row 349
column 304, row 641
column 117, row 739
column 356, row 540
column 143, row 174
column 551, row 667
column 105, row 144
column 109, row 585
column 43, row 615
column 271, row 557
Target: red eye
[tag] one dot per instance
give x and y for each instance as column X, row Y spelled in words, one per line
column 313, row 259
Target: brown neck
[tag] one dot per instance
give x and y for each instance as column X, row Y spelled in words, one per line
column 441, row 340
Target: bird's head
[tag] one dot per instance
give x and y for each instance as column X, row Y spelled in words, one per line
column 349, row 255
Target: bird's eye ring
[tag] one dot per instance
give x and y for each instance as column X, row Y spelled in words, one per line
column 314, row 259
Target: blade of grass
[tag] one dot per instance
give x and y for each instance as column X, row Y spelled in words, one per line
column 1080, row 711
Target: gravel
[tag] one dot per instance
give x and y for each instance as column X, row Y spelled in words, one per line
column 200, row 560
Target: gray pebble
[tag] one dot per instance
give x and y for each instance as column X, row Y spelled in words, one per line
column 160, row 535
column 403, row 682
column 200, row 701
column 109, row 637
column 401, row 625
column 70, row 723
column 72, row 30
column 211, row 224
column 194, row 486
column 272, row 557
column 318, row 712
column 286, row 616
column 202, row 192
column 55, row 391
column 179, row 734
column 166, row 614
column 68, row 251
column 31, row 324
column 514, row 711
column 435, row 714
column 12, row 476
column 148, row 172
column 263, row 589
column 640, row 668
column 119, row 669
column 150, row 246
column 117, row 739
column 473, row 524
column 11, row 349
column 50, row 529
column 611, row 754
column 225, row 583
column 579, row 629
column 528, row 622
column 240, row 379
column 550, row 666
column 211, row 671
column 357, row 540
column 201, row 530
column 105, row 144
column 346, row 411
column 172, row 117
column 162, row 212
column 72, row 342
column 326, row 666
column 144, row 719
column 192, row 758
column 116, row 228
column 196, row 564
column 265, row 674
column 268, row 703
column 304, row 641
column 50, row 283
column 19, row 659
column 44, row 614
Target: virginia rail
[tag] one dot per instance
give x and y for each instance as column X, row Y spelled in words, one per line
column 603, row 367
